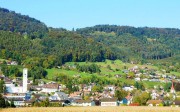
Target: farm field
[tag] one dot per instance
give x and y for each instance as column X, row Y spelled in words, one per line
column 93, row 109
column 105, row 72
column 117, row 64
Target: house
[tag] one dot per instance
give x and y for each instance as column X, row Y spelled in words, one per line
column 154, row 95
column 135, row 69
column 138, row 74
column 118, row 75
column 109, row 102
column 145, row 79
column 128, row 88
column 83, row 103
column 22, row 86
column 29, row 102
column 58, row 96
column 49, row 88
column 137, row 79
column 87, row 88
column 76, row 94
column 106, row 94
column 126, row 71
column 12, row 63
column 13, row 89
column 27, row 96
column 127, row 100
column 35, row 88
column 154, row 80
column 111, row 89
column 154, row 102
column 15, row 95
column 18, row 102
column 1, row 77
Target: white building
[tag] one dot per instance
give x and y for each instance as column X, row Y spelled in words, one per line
column 83, row 103
column 11, row 88
column 109, row 102
column 137, row 79
column 49, row 88
column 59, row 96
column 128, row 88
column 154, row 95
column 18, row 102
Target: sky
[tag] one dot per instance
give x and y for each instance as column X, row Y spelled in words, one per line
column 84, row 13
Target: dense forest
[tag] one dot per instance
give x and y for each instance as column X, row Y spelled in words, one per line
column 30, row 42
column 147, row 43
column 11, row 21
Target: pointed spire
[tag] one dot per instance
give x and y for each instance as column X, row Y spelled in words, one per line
column 172, row 88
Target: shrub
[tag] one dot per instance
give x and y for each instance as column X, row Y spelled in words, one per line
column 134, row 104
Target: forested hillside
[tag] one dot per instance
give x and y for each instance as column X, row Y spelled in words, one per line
column 146, row 43
column 14, row 22
column 31, row 43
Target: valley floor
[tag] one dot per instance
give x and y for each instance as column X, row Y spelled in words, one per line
column 93, row 109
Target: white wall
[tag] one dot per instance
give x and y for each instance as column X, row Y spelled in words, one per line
column 48, row 90
column 19, row 103
column 25, row 78
column 108, row 103
column 82, row 104
column 11, row 89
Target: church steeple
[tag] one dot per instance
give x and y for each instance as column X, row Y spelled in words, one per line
column 172, row 88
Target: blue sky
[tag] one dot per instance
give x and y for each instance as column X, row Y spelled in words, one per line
column 82, row 13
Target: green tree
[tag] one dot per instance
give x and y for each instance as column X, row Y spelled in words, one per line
column 97, row 88
column 1, row 86
column 141, row 98
column 2, row 102
column 120, row 94
column 131, row 74
column 12, row 104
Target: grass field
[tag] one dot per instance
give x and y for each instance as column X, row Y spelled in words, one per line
column 93, row 109
column 175, row 73
column 116, row 68
column 117, row 64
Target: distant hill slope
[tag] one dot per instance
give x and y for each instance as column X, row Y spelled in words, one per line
column 137, row 43
column 151, row 32
column 50, row 47
column 14, row 22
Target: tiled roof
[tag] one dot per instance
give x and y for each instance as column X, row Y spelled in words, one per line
column 177, row 102
column 51, row 86
column 128, row 97
column 108, row 99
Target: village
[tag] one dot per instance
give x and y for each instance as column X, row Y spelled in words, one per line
column 22, row 92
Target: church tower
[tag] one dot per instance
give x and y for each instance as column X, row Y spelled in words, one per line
column 172, row 88
column 25, row 78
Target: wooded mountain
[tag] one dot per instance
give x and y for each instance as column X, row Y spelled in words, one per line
column 32, row 43
column 11, row 21
column 143, row 42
